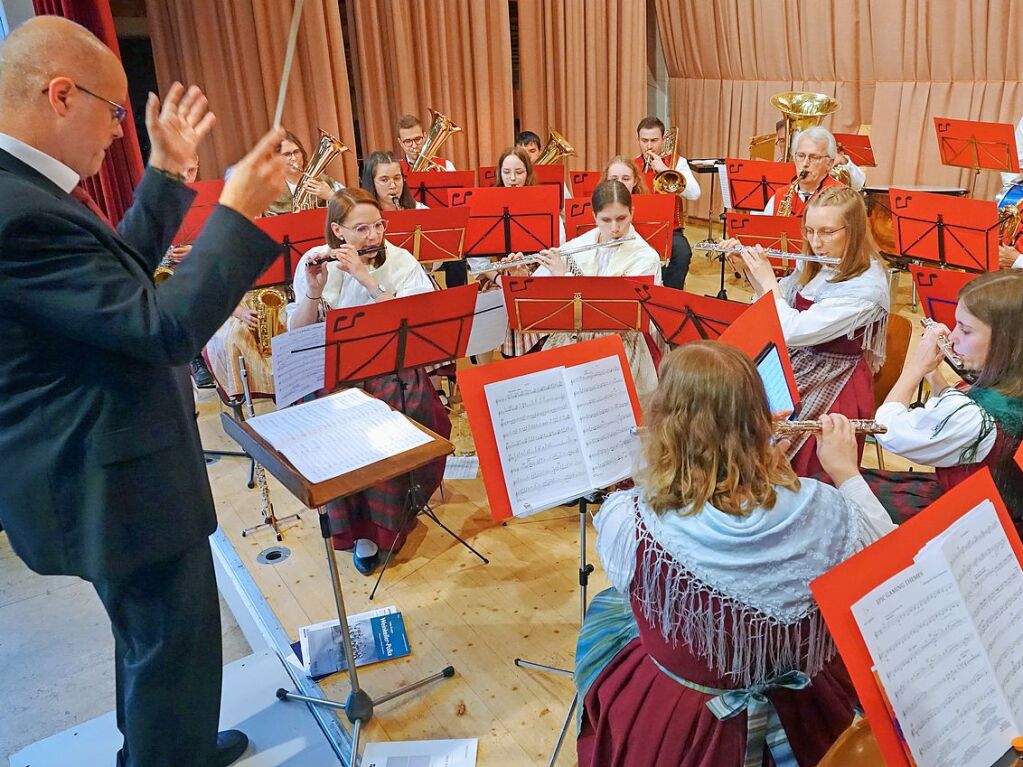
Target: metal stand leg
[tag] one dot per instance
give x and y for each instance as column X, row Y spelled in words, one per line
column 358, row 707
column 584, row 578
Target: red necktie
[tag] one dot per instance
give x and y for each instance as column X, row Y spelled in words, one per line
column 80, row 194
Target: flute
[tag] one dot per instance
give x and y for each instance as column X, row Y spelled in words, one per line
column 798, row 428
column 331, row 257
column 788, row 429
column 535, row 258
column 946, row 346
column 713, row 247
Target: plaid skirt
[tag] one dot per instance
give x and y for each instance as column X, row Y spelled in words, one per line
column 381, row 513
column 903, row 493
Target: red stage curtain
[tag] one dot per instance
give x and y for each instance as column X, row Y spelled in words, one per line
column 114, row 186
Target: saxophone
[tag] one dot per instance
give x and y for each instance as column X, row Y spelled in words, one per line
column 268, row 303
column 785, row 207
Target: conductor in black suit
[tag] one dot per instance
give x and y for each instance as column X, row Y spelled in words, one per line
column 103, row 475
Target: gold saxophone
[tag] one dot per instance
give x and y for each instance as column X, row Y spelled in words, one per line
column 268, row 303
column 785, row 207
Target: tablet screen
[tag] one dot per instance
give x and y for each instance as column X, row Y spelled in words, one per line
column 769, row 366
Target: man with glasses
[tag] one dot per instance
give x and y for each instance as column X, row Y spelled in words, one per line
column 814, row 156
column 322, row 187
column 411, row 137
column 105, row 475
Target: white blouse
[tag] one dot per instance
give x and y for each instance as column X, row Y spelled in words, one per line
column 838, row 309
column 911, row 432
column 632, row 259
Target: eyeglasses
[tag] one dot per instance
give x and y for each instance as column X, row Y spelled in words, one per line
column 824, row 235
column 293, row 154
column 813, row 158
column 364, row 230
column 411, row 142
column 119, row 112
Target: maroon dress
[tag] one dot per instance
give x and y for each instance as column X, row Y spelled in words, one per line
column 855, row 399
column 636, row 715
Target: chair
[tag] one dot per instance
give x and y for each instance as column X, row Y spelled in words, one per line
column 856, row 747
column 900, row 330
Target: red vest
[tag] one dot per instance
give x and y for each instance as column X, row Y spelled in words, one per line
column 798, row 206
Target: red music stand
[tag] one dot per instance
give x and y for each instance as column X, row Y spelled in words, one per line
column 939, row 291
column 574, row 304
column 376, row 339
column 546, row 175
column 207, row 192
column 584, row 182
column 857, row 147
column 771, row 232
column 486, row 175
column 429, row 235
column 752, row 183
column 297, row 233
column 192, row 223
column 945, row 231
column 976, row 145
column 509, row 220
column 680, row 316
column 653, row 218
column 432, row 188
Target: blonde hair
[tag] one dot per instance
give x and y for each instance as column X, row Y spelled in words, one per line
column 523, row 156
column 619, row 159
column 708, row 436
column 859, row 245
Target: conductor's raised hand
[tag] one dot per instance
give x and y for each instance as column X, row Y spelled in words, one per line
column 177, row 127
column 258, row 178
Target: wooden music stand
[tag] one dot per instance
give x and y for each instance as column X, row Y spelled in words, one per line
column 976, row 145
column 432, row 189
column 358, row 707
column 507, row 220
column 945, row 231
column 429, row 235
column 752, row 183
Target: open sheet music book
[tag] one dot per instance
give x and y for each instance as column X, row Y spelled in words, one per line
column 334, row 435
column 562, row 432
column 944, row 637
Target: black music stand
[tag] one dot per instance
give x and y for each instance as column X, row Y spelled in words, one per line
column 359, row 706
column 387, row 338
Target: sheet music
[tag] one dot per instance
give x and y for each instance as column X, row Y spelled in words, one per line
column 726, row 195
column 296, row 373
column 933, row 667
column 421, row 753
column 990, row 582
column 334, row 435
column 604, row 413
column 537, row 440
column 489, row 323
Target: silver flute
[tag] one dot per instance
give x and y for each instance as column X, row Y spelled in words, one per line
column 788, row 429
column 535, row 258
column 713, row 247
column 945, row 344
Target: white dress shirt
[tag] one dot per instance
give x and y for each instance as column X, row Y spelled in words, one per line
column 56, row 171
column 911, row 432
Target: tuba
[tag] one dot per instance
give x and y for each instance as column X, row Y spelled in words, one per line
column 268, row 303
column 802, row 110
column 1009, row 225
column 328, row 148
column 555, row 150
column 441, row 129
column 669, row 181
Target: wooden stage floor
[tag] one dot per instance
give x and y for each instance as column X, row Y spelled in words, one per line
column 457, row 611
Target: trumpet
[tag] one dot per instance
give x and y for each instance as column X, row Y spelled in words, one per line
column 946, row 346
column 330, row 257
column 789, row 429
column 535, row 257
column 714, row 247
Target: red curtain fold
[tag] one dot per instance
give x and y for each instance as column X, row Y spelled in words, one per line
column 113, row 187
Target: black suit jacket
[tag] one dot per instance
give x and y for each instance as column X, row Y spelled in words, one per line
column 102, row 469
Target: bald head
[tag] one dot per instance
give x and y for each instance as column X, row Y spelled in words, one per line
column 60, row 87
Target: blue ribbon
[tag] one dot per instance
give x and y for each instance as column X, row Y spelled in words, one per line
column 763, row 727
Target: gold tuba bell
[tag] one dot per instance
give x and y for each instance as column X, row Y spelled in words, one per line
column 440, row 131
column 802, row 110
column 1009, row 218
column 268, row 303
column 328, row 148
column 669, row 181
column 555, row 150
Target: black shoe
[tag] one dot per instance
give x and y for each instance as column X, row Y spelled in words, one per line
column 231, row 744
column 201, row 374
